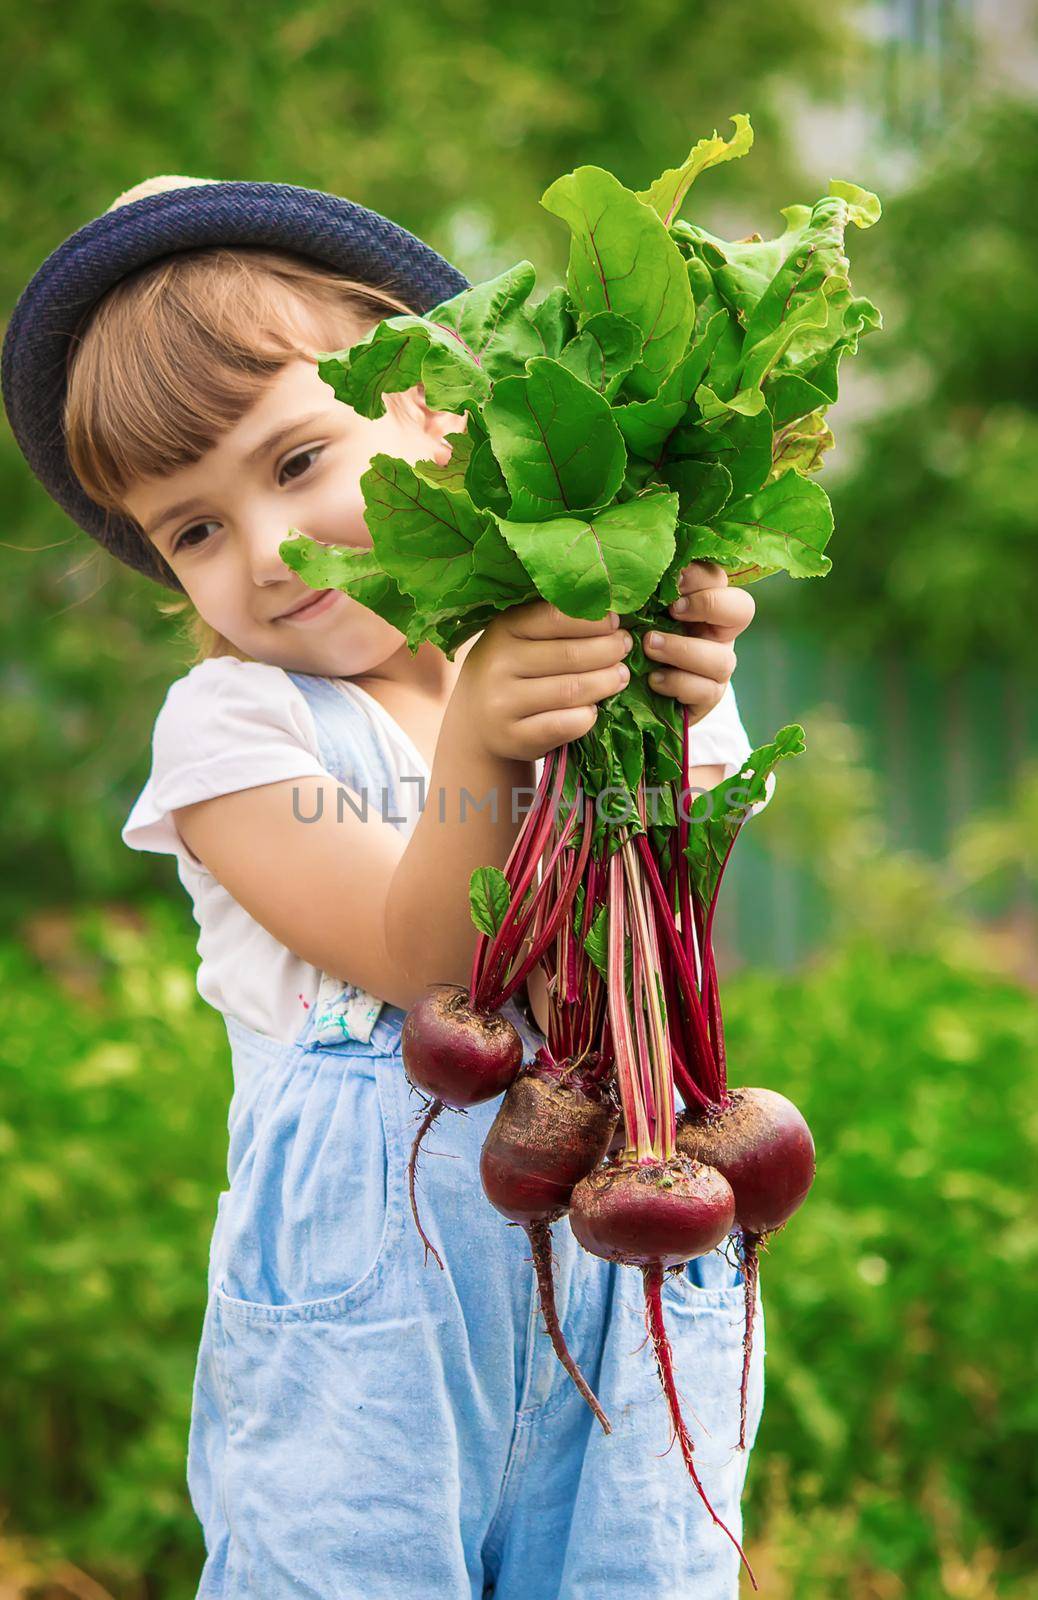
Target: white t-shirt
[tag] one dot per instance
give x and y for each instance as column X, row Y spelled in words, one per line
column 229, row 725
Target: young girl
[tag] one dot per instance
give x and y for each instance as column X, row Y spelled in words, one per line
column 363, row 1424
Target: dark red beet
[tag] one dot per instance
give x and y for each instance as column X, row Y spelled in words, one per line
column 763, row 1146
column 652, row 1212
column 460, row 1057
column 548, row 1134
column 550, row 1131
column 456, row 1054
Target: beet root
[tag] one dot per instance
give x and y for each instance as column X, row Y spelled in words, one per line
column 539, row 1235
column 459, row 1057
column 550, row 1132
column 762, row 1144
column 649, row 1213
column 750, row 1275
column 552, row 1129
column 456, row 1054
column 653, row 1281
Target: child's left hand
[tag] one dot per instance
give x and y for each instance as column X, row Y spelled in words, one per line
column 698, row 661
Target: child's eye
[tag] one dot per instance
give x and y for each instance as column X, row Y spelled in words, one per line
column 185, row 539
column 298, row 464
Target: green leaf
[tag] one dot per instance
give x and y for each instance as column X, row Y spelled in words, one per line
column 452, row 474
column 648, row 424
column 597, row 942
column 609, row 562
column 667, row 194
column 386, row 361
column 559, row 449
column 800, row 446
column 603, row 352
column 491, row 322
column 456, row 350
column 553, row 321
column 358, row 573
column 747, row 403
column 497, row 578
column 703, row 488
column 743, row 446
column 623, row 259
column 863, row 206
column 394, row 357
column 716, row 817
column 485, row 481
column 424, row 535
column 791, row 396
column 782, row 528
column 489, row 897
column 791, row 294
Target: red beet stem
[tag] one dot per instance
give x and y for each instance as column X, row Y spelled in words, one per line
column 680, row 964
column 538, row 835
column 539, row 1235
column 750, row 1272
column 653, row 1279
column 681, row 867
column 434, row 1109
column 560, row 909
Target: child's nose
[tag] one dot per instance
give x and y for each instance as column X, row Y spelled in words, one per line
column 263, row 539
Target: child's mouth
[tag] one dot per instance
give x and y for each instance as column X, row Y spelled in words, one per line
column 316, row 607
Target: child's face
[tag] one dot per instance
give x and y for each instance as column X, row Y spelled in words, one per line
column 219, row 523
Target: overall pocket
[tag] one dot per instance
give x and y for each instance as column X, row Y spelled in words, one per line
column 313, row 1211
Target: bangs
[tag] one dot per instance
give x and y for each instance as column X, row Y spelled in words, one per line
column 175, row 355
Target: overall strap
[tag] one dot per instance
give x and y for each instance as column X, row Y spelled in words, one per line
column 351, row 748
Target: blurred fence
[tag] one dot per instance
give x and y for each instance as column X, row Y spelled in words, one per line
column 943, row 746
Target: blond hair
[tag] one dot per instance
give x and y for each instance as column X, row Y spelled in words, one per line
column 176, row 354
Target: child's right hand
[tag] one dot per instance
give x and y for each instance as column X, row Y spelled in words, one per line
column 533, row 678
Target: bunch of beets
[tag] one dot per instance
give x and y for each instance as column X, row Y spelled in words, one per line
column 666, row 405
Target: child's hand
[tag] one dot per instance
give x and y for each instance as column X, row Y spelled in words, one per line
column 533, row 678
column 697, row 663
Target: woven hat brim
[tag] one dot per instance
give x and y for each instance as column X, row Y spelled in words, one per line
column 333, row 232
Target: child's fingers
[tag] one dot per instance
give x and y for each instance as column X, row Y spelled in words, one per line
column 538, row 619
column 701, row 694
column 535, row 736
column 546, row 658
column 709, row 604
column 567, row 691
column 685, row 652
column 702, row 575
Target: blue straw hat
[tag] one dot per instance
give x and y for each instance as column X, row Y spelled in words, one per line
column 175, row 214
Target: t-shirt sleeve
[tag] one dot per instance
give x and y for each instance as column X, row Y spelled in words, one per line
column 719, row 738
column 227, row 725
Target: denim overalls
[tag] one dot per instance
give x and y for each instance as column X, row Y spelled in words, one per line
column 367, row 1427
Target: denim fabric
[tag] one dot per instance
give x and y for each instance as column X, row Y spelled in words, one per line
column 365, row 1425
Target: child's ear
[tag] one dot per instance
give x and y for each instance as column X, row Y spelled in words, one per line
column 437, row 424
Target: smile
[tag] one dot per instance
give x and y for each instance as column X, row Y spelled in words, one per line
column 322, row 602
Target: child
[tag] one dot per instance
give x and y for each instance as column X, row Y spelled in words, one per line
column 363, row 1425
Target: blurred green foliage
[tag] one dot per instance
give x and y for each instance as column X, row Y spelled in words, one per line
column 113, row 1111
column 937, row 538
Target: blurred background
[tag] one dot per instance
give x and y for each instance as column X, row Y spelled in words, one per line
column 880, row 947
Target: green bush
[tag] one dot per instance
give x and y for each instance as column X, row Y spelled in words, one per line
column 901, row 1425
column 896, row 1455
column 113, row 1105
